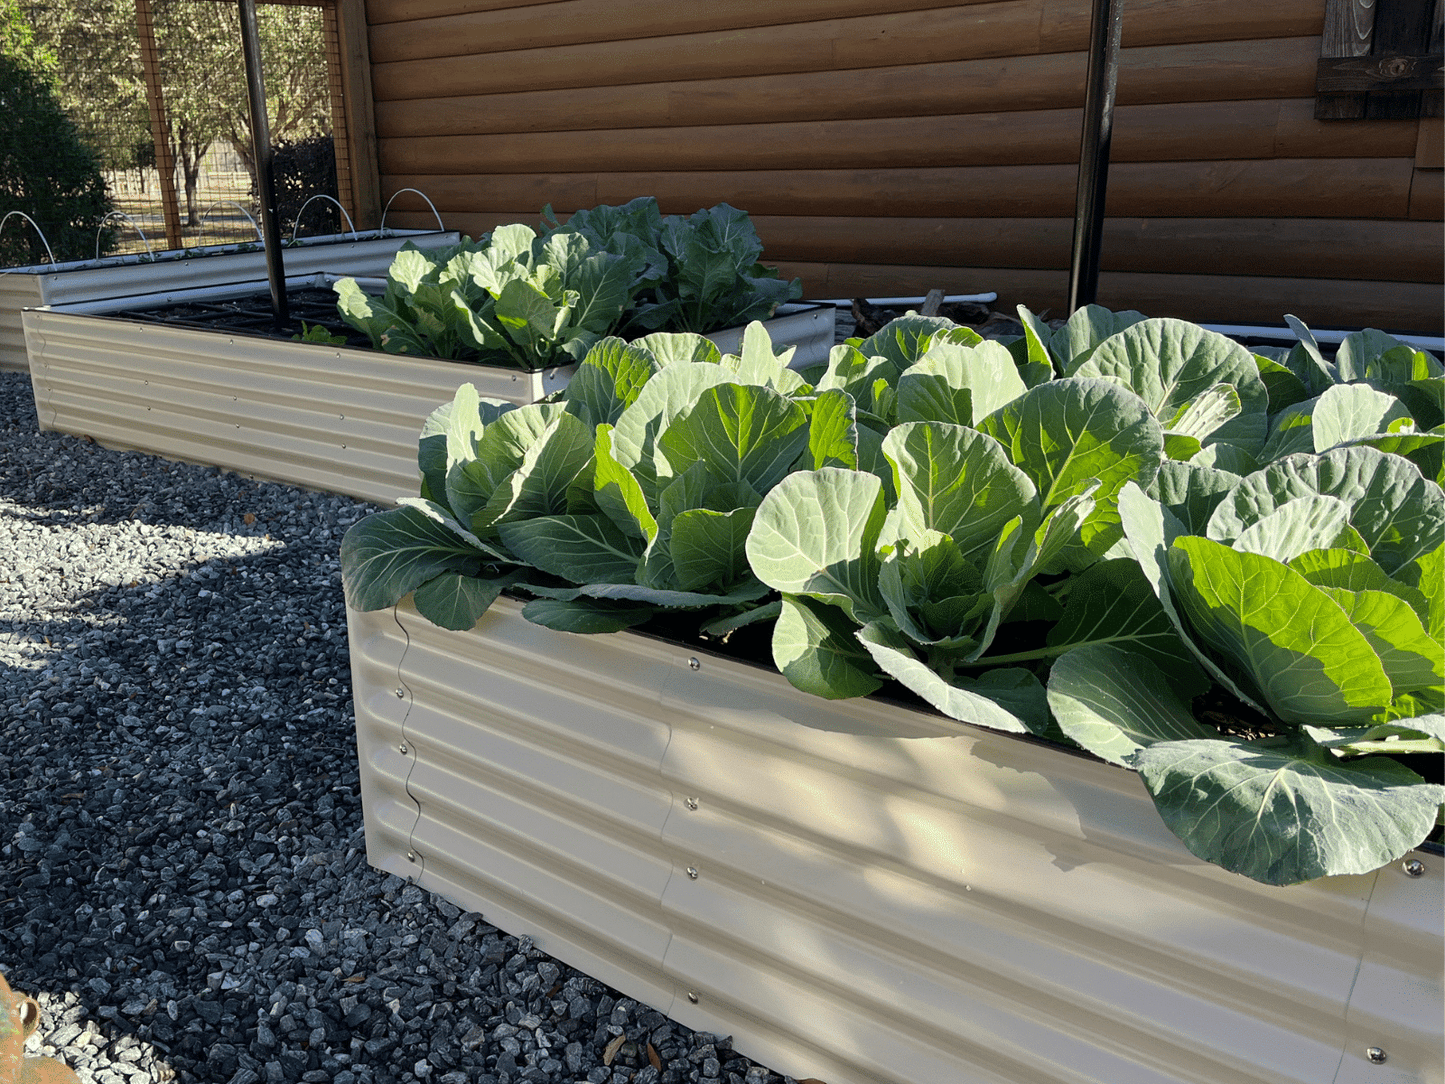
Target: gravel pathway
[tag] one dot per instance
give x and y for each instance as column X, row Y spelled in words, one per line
column 183, row 881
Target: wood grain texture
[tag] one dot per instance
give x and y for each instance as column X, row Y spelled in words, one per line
column 1142, row 133
column 1008, row 29
column 1165, row 22
column 361, row 143
column 396, row 11
column 575, row 22
column 1003, row 29
column 1321, row 303
column 1220, row 71
column 1430, row 144
column 1383, row 250
column 1324, row 188
column 1427, row 195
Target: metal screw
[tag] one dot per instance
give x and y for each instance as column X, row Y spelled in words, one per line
column 1414, row 868
column 401, row 694
column 694, row 664
column 692, row 872
column 402, row 747
column 691, row 803
column 1376, row 1055
column 692, row 996
column 411, row 856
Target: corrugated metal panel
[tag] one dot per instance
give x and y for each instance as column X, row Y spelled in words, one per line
column 862, row 892
column 328, row 418
column 122, row 276
column 810, row 328
column 16, row 292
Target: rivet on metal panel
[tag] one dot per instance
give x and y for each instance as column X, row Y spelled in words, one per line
column 691, row 803
column 1414, row 867
column 694, row 664
column 411, row 856
column 1376, row 1055
column 692, row 996
column 692, row 872
column 401, row 694
column 401, row 748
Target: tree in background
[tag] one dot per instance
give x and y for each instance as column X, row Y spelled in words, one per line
column 47, row 169
column 202, row 72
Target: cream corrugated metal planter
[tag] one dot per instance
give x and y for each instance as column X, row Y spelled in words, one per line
column 368, row 253
column 325, row 417
column 862, row 892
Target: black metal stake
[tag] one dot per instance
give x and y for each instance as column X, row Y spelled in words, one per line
column 261, row 148
column 1105, row 29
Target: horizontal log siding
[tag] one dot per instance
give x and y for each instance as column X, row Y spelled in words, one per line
column 897, row 141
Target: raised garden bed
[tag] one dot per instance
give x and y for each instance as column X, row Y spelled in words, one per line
column 859, row 891
column 368, row 253
column 209, row 383
column 992, row 578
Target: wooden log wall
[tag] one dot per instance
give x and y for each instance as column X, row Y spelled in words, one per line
column 887, row 147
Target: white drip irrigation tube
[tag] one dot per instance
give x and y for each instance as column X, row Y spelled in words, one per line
column 440, row 225
column 1249, row 331
column 322, row 195
column 949, row 300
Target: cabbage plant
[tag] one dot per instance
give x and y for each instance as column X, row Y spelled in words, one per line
column 702, row 271
column 1221, row 569
column 512, row 299
column 630, row 494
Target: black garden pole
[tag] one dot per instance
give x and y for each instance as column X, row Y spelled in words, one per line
column 261, row 148
column 1105, row 29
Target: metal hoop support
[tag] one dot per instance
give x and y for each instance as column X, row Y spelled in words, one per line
column 322, row 195
column 134, row 225
column 240, row 207
column 440, row 225
column 39, row 231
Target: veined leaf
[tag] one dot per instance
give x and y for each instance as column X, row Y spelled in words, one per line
column 456, row 601
column 1114, row 701
column 742, row 433
column 1348, row 412
column 904, row 340
column 1004, row 699
column 585, row 615
column 1191, row 492
column 833, row 430
column 815, row 649
column 664, row 397
column 1399, row 513
column 1112, row 603
column 609, row 380
column 956, row 481
column 958, row 384
column 816, row 534
column 1290, row 637
column 387, row 555
column 583, row 549
column 1072, row 435
column 1354, row 571
column 708, row 548
column 1296, row 527
column 1088, row 326
column 1410, row 657
column 670, row 347
column 1307, row 361
column 1206, row 412
column 1281, row 815
column 542, row 485
column 618, row 493
column 1426, row 573
column 1150, row 530
column 1170, row 364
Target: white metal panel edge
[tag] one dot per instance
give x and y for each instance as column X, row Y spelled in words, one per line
column 810, row 328
column 326, row 417
column 16, row 292
column 863, row 892
column 93, row 280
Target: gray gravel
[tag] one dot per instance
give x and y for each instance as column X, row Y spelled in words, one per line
column 183, row 883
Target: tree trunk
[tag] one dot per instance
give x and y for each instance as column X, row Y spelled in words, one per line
column 190, row 152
